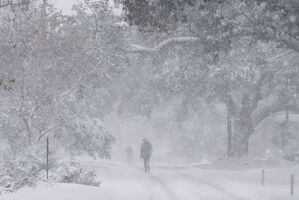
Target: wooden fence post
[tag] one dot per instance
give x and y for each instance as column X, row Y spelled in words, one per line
column 292, row 184
column 47, row 164
column 263, row 177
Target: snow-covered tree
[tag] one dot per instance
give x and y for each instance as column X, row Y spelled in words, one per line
column 55, row 71
column 218, row 28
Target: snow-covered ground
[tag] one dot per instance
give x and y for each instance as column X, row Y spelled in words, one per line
column 170, row 182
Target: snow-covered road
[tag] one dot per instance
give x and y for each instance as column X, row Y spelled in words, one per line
column 168, row 182
column 165, row 184
column 188, row 182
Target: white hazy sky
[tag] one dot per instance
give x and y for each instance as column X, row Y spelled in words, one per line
column 64, row 5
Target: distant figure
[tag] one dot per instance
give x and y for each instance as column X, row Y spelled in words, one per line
column 145, row 153
column 129, row 152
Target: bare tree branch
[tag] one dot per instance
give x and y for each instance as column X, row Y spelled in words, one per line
column 272, row 108
column 94, row 14
column 47, row 131
column 6, row 3
column 135, row 48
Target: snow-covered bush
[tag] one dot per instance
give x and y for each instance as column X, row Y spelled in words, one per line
column 84, row 134
column 72, row 172
column 19, row 171
column 29, row 168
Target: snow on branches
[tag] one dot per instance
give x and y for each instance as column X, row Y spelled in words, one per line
column 162, row 45
column 6, row 3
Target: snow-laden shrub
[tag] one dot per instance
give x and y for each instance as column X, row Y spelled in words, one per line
column 19, row 171
column 72, row 172
column 88, row 135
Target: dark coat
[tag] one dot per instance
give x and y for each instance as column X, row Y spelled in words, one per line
column 146, row 150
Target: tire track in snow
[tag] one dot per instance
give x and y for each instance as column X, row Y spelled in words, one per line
column 169, row 192
column 165, row 188
column 213, row 186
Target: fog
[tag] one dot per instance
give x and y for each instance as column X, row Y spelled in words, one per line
column 149, row 99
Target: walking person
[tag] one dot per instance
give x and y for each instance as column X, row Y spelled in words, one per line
column 129, row 152
column 145, row 153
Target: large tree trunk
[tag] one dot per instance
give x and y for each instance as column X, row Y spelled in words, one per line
column 241, row 136
column 29, row 134
column 229, row 131
column 243, row 129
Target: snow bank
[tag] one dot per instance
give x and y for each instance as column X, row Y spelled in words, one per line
column 58, row 192
column 170, row 182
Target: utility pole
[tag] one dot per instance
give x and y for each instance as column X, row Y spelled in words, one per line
column 229, row 131
column 43, row 27
column 287, row 107
column 47, row 164
column 287, row 119
column 43, row 18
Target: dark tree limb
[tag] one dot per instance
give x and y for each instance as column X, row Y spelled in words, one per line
column 7, row 3
column 162, row 45
column 275, row 107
